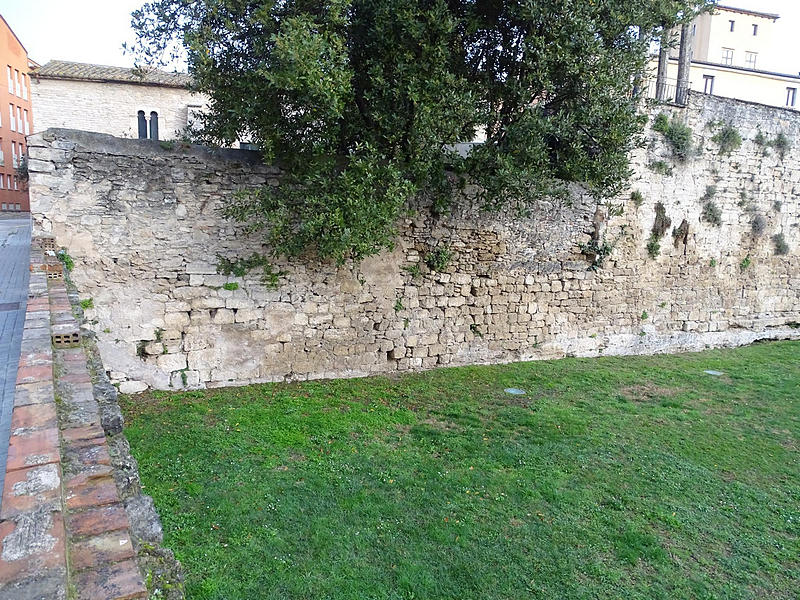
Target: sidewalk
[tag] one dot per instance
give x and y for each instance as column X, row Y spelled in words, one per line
column 15, row 241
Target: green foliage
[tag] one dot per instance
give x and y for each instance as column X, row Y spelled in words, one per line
column 230, row 286
column 661, row 123
column 711, row 191
column 781, row 247
column 653, row 246
column 362, row 102
column 782, row 145
column 644, row 316
column 637, row 198
column 760, row 139
column 661, row 167
column 679, row 138
column 475, row 330
column 597, row 251
column 65, row 259
column 745, row 264
column 728, row 139
column 439, row 259
column 240, row 267
column 777, row 205
column 439, row 486
column 398, row 305
column 87, row 303
column 712, row 263
column 167, row 144
column 711, row 213
column 413, row 270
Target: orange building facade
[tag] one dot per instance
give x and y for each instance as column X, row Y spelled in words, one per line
column 16, row 120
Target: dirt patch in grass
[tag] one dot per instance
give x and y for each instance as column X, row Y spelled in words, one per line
column 646, row 392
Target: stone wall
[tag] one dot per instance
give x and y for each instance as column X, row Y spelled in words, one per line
column 109, row 107
column 143, row 228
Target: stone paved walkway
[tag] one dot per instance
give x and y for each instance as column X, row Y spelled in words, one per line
column 15, row 240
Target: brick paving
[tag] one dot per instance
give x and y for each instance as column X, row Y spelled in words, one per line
column 15, row 236
column 63, row 525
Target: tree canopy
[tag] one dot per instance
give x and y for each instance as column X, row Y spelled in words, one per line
column 363, row 102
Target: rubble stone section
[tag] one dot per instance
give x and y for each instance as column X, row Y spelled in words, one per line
column 142, row 224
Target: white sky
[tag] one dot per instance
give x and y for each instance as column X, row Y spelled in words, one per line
column 93, row 30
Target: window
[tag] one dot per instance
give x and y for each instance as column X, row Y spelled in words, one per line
column 27, row 123
column 2, row 206
column 16, row 182
column 142, row 122
column 154, row 125
column 18, row 207
column 18, row 86
column 8, row 181
column 732, row 22
column 791, row 96
column 10, row 81
column 708, row 84
column 14, row 161
column 2, row 157
column 19, row 119
column 755, row 29
column 727, row 56
column 12, row 123
column 24, row 88
column 750, row 59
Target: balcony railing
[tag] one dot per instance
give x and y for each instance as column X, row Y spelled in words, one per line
column 667, row 92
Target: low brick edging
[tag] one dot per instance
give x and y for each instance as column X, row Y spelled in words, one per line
column 74, row 521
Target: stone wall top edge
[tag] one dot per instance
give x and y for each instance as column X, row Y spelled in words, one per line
column 704, row 102
column 103, row 143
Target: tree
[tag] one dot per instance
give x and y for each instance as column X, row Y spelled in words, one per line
column 362, row 102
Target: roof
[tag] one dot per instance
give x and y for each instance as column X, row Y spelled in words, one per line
column 62, row 69
column 2, row 18
column 745, row 11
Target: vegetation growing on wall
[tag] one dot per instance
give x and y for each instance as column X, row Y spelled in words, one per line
column 678, row 136
column 781, row 247
column 728, row 139
column 661, row 224
column 363, row 102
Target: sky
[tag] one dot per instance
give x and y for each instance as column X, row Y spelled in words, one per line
column 93, row 30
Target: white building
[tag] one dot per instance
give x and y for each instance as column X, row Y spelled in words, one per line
column 735, row 55
column 119, row 101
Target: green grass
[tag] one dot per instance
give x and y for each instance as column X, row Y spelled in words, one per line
column 637, row 477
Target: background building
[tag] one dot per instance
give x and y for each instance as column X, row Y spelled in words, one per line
column 735, row 53
column 116, row 100
column 16, row 120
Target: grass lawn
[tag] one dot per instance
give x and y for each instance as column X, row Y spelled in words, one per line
column 634, row 477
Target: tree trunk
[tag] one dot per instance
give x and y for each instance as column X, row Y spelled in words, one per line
column 684, row 63
column 663, row 62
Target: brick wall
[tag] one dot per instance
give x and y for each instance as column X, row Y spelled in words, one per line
column 142, row 225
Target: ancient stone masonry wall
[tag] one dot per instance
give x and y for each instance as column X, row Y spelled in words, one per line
column 142, row 225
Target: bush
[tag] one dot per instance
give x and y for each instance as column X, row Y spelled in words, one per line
column 781, row 247
column 679, row 137
column 712, row 213
column 661, row 123
column 782, row 145
column 653, row 246
column 637, row 198
column 745, row 264
column 87, row 303
column 438, row 259
column 728, row 139
column 660, row 167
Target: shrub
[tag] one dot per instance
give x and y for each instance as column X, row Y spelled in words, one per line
column 781, row 247
column 760, row 140
column 438, row 259
column 661, row 123
column 653, row 247
column 231, row 286
column 597, row 252
column 87, row 303
column 660, row 167
column 712, row 213
column 745, row 264
column 637, row 198
column 728, row 139
column 679, row 137
column 781, row 144
column 66, row 260
column 711, row 191
column 759, row 224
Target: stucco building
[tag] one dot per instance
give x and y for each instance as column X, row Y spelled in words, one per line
column 16, row 119
column 734, row 54
column 119, row 101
